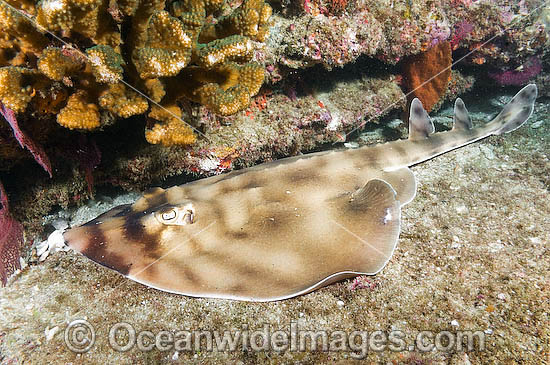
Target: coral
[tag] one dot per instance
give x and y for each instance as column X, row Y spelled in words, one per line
column 427, row 74
column 322, row 108
column 122, row 102
column 172, row 131
column 167, row 49
column 220, row 51
column 106, row 64
column 330, row 41
column 21, row 29
column 228, row 88
column 250, row 20
column 337, row 6
column 15, row 90
column 24, row 141
column 461, row 30
column 86, row 17
column 51, row 101
column 155, row 89
column 25, row 5
column 55, row 65
column 11, row 239
column 325, row 7
column 79, row 113
column 438, row 30
column 149, row 45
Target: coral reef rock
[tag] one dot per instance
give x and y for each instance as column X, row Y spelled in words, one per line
column 133, row 51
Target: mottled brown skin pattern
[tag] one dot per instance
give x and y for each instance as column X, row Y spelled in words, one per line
column 279, row 229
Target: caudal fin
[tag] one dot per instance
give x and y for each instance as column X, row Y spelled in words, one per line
column 516, row 112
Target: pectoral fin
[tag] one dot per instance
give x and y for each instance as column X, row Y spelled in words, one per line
column 379, row 214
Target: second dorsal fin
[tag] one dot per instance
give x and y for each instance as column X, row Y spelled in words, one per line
column 461, row 118
column 420, row 125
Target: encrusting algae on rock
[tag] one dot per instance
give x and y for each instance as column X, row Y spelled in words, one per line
column 198, row 50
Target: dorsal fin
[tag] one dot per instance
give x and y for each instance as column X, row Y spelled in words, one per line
column 420, row 125
column 461, row 118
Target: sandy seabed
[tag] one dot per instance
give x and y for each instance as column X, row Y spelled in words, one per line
column 472, row 259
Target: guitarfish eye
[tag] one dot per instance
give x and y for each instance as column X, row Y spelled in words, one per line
column 168, row 216
column 179, row 215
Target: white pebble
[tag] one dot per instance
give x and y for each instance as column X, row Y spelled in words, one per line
column 54, row 243
column 50, row 332
column 537, row 124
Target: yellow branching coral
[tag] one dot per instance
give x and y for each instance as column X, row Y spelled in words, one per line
column 228, row 88
column 21, row 29
column 224, row 102
column 79, row 113
column 122, row 102
column 233, row 48
column 15, row 90
column 250, row 20
column 251, row 76
column 167, row 49
column 55, row 65
column 200, row 50
column 201, row 8
column 171, row 131
column 87, row 17
column 26, row 5
column 106, row 64
column 155, row 89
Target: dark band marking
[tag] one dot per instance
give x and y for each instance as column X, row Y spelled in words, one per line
column 226, row 188
column 237, row 235
column 96, row 250
column 134, row 230
column 194, row 246
column 238, row 289
column 304, row 175
column 125, row 211
column 191, row 276
column 400, row 150
column 252, row 184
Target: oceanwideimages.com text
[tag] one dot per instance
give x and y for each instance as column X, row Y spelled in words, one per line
column 80, row 336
